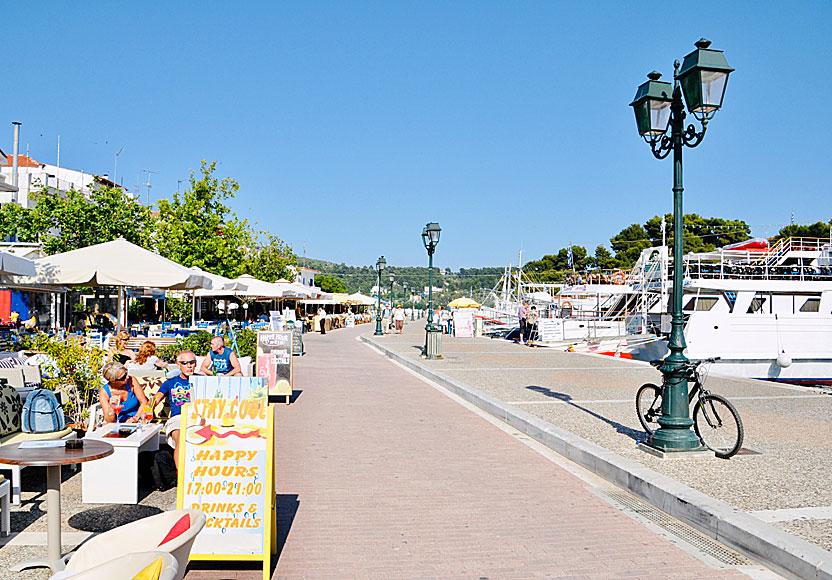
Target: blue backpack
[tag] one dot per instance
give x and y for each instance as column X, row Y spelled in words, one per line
column 42, row 413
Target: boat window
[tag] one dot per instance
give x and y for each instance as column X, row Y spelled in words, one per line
column 756, row 305
column 811, row 305
column 700, row 303
column 705, row 303
column 731, row 297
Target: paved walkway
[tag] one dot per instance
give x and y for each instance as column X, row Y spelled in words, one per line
column 379, row 475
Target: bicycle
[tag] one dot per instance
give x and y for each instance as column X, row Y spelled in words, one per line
column 715, row 420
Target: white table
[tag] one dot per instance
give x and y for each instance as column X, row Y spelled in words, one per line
column 116, row 478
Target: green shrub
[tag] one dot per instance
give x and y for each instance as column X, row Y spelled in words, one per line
column 200, row 344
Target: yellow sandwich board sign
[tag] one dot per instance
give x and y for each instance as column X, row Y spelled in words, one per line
column 226, row 469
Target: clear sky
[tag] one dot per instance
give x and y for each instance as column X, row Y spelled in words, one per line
column 351, row 124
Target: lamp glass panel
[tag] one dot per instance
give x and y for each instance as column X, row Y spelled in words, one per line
column 713, row 88
column 659, row 116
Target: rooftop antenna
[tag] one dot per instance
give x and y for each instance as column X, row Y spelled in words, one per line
column 58, row 165
column 147, row 185
column 304, row 253
column 115, row 169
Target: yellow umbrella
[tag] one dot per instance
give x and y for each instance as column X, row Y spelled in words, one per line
column 463, row 303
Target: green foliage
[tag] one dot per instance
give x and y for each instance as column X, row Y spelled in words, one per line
column 628, row 244
column 330, row 283
column 200, row 344
column 197, row 228
column 271, row 261
column 604, row 259
column 68, row 221
column 178, row 308
column 74, row 369
column 815, row 230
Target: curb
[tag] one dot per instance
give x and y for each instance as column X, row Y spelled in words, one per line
column 784, row 553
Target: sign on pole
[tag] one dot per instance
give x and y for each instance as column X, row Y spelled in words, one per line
column 274, row 362
column 464, row 324
column 226, row 469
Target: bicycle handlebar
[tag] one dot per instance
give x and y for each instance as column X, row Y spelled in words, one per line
column 694, row 364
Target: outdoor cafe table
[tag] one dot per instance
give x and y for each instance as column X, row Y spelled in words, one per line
column 52, row 458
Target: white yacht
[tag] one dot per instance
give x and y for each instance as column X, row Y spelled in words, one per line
column 765, row 312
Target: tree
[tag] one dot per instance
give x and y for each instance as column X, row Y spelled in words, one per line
column 604, row 259
column 197, row 228
column 66, row 221
column 628, row 244
column 815, row 230
column 330, row 283
column 271, row 261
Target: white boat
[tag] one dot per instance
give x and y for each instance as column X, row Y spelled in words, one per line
column 766, row 313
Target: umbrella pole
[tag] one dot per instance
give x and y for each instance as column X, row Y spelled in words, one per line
column 193, row 309
column 122, row 315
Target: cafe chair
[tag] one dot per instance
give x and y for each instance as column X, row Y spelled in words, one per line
column 136, row 566
column 173, row 532
column 5, row 507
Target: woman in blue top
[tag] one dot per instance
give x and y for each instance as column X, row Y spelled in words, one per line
column 121, row 400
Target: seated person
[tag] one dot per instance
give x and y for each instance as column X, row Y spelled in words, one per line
column 220, row 360
column 178, row 391
column 146, row 359
column 120, row 353
column 121, row 400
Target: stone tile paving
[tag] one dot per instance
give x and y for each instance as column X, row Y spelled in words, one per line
column 593, row 396
column 381, row 476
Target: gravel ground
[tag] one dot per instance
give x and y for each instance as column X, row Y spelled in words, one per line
column 789, row 427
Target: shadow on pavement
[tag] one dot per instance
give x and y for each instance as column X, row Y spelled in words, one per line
column 104, row 518
column 287, row 508
column 634, row 434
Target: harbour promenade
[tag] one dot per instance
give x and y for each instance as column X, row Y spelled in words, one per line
column 782, row 476
column 381, row 475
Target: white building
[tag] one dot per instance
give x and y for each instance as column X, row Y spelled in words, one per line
column 306, row 276
column 32, row 175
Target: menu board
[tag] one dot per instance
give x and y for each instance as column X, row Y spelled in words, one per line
column 464, row 324
column 226, row 459
column 549, row 330
column 274, row 361
column 297, row 338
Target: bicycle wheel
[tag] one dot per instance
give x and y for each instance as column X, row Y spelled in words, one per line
column 718, row 425
column 649, row 407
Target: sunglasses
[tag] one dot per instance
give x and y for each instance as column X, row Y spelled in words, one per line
column 121, row 378
column 186, row 362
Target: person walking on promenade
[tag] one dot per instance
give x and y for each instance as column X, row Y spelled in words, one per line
column 522, row 314
column 398, row 317
column 531, row 323
column 220, row 360
column 322, row 319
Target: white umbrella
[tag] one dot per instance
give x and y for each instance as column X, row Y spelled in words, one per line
column 117, row 263
column 11, row 264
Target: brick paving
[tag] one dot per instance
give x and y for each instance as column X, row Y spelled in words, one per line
column 381, row 476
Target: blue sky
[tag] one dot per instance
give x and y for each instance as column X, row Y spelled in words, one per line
column 351, row 124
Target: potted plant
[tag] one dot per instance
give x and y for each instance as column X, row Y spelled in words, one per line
column 74, row 371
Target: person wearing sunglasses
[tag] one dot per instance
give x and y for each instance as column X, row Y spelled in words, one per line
column 121, row 399
column 178, row 391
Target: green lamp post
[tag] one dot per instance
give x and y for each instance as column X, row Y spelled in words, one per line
column 433, row 332
column 392, row 292
column 380, row 265
column 702, row 79
column 404, row 297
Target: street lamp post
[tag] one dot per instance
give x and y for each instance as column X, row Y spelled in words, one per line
column 392, row 295
column 404, row 295
column 380, row 265
column 702, row 79
column 433, row 332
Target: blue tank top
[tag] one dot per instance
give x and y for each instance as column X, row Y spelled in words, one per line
column 131, row 405
column 222, row 362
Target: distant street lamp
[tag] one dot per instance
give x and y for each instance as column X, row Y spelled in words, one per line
column 392, row 295
column 404, row 293
column 433, row 332
column 702, row 78
column 380, row 265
